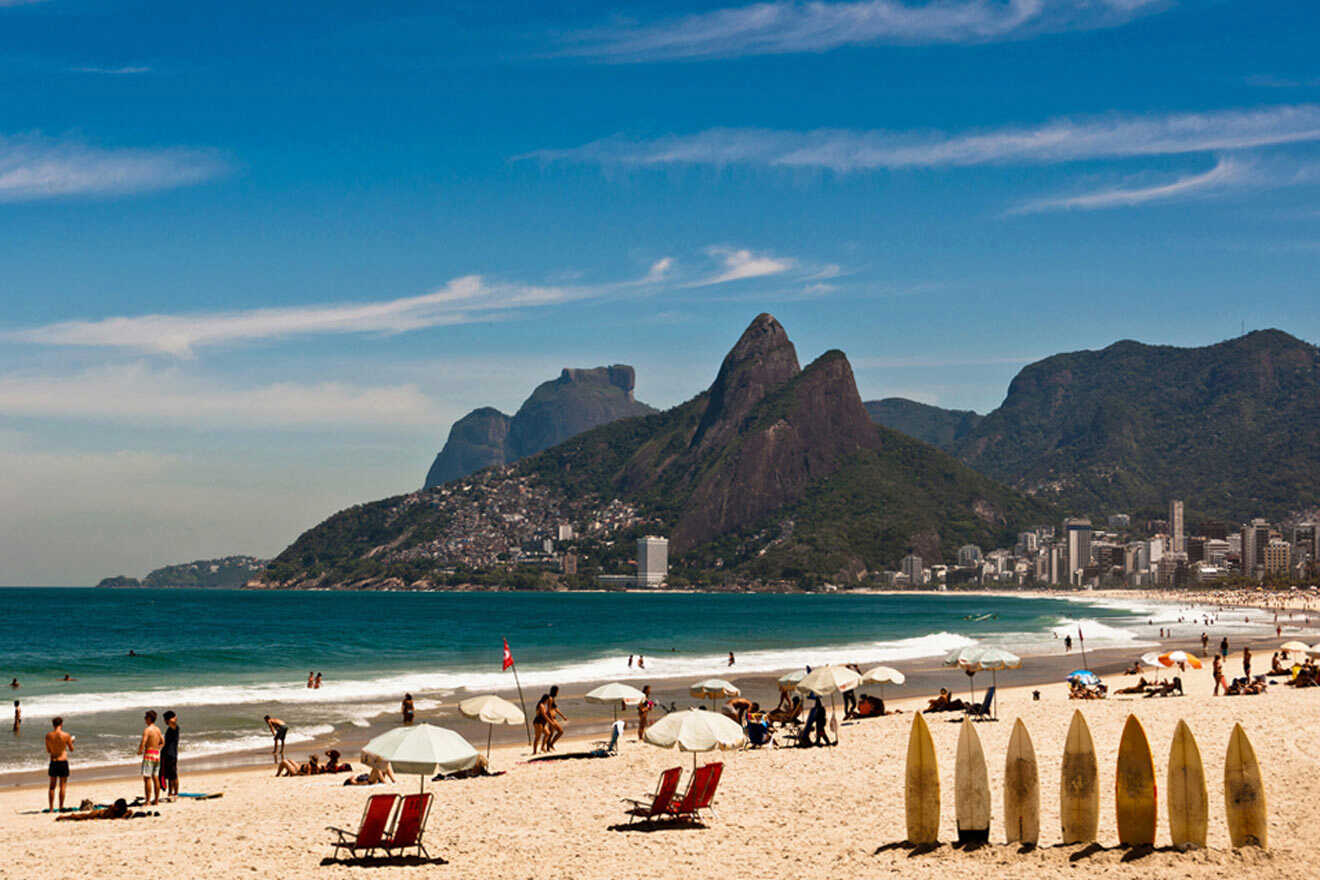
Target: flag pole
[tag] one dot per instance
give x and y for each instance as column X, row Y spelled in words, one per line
column 1081, row 640
column 522, row 702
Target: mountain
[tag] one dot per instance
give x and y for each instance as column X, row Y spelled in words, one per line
column 229, row 571
column 773, row 472
column 559, row 409
column 1232, row 428
column 931, row 424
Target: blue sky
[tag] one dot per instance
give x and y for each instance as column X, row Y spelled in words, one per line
column 255, row 261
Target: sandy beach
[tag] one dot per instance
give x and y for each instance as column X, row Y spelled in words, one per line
column 781, row 812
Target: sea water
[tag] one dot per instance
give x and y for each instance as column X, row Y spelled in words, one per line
column 224, row 658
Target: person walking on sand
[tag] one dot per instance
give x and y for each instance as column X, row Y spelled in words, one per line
column 1205, row 643
column 58, row 746
column 540, row 725
column 1067, row 644
column 1223, row 647
column 1246, row 663
column 149, row 748
column 169, row 756
column 644, row 707
column 552, row 709
column 1217, row 673
column 279, row 730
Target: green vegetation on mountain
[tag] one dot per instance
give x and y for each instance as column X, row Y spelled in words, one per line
column 929, row 424
column 1231, row 428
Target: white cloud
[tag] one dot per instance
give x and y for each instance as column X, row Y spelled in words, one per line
column 740, row 264
column 1062, row 140
column 127, row 70
column 790, row 26
column 1226, row 174
column 137, row 394
column 34, row 167
column 464, row 300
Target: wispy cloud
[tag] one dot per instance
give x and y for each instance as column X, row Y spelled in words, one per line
column 1229, row 174
column 740, row 264
column 788, row 26
column 33, row 167
column 464, row 300
column 127, row 70
column 1062, row 140
column 138, row 394
column 1271, row 81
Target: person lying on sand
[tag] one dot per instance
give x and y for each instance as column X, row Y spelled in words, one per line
column 871, row 707
column 288, row 768
column 1138, row 688
column 118, row 810
column 1167, row 689
column 945, row 703
column 333, row 764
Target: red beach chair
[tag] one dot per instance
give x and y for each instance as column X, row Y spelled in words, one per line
column 414, row 809
column 370, row 835
column 658, row 803
column 708, row 796
column 687, row 807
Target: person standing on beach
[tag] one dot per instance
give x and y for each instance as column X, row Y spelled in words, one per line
column 18, row 716
column 540, row 725
column 58, row 746
column 1246, row 663
column 644, row 707
column 279, row 730
column 406, row 707
column 169, row 756
column 1223, row 647
column 552, row 709
column 149, row 748
column 1205, row 643
column 1067, row 644
column 1217, row 673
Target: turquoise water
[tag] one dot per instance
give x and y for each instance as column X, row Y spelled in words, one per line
column 224, row 658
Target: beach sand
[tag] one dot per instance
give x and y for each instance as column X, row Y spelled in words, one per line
column 835, row 812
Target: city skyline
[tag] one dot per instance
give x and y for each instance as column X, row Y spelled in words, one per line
column 258, row 260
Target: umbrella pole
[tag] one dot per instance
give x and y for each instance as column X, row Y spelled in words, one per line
column 490, row 729
column 994, row 678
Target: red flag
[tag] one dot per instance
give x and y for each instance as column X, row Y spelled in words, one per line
column 1080, row 637
column 508, row 656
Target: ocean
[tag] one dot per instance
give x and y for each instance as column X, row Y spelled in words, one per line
column 224, row 658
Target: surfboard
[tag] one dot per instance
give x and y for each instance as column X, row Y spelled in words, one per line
column 922, row 788
column 1021, row 788
column 1189, row 804
column 971, row 787
column 1079, row 791
column 1244, row 793
column 1134, row 787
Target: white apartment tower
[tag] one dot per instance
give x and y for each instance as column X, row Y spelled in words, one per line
column 1178, row 538
column 652, row 561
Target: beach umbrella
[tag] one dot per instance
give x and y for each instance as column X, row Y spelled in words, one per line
column 789, row 680
column 828, row 681
column 713, row 689
column 492, row 710
column 696, row 730
column 1295, row 645
column 1314, row 649
column 423, row 749
column 961, row 657
column 614, row 694
column 1151, row 659
column 995, row 659
column 1173, row 658
column 1084, row 676
column 883, row 675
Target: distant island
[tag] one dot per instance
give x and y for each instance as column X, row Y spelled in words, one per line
column 229, row 571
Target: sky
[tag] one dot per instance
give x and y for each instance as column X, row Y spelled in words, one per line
column 256, row 258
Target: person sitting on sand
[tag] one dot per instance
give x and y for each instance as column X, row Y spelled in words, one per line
column 380, row 772
column 785, row 699
column 789, row 715
column 1134, row 669
column 333, row 764
column 1276, row 668
column 945, row 702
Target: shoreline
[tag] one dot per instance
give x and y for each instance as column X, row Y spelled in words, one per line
column 591, row 722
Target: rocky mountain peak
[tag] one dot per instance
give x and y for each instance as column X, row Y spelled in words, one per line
column 762, row 360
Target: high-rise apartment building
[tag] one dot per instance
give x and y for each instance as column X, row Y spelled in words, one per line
column 969, row 555
column 1277, row 556
column 1176, row 532
column 1077, row 542
column 1255, row 537
column 912, row 567
column 652, row 560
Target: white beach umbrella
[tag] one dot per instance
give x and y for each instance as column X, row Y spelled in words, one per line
column 614, row 694
column 961, row 657
column 1294, row 645
column 696, row 730
column 995, row 659
column 830, row 680
column 789, row 680
column 423, row 749
column 1151, row 659
column 883, row 675
column 1314, row 649
column 713, row 689
column 492, row 710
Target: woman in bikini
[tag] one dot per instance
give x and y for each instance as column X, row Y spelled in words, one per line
column 540, row 724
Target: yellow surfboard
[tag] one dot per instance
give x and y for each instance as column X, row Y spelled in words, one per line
column 1021, row 788
column 1079, row 790
column 1134, row 787
column 1244, row 793
column 971, row 795
column 1189, row 803
column 922, row 788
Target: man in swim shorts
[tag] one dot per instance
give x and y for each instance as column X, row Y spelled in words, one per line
column 279, row 730
column 58, row 746
column 169, row 757
column 149, row 748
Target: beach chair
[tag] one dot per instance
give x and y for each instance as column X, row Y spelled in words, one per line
column 687, row 806
column 982, row 711
column 371, row 830
column 414, row 810
column 707, row 799
column 657, row 804
column 605, row 748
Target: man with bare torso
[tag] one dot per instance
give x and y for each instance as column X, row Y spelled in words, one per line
column 58, row 746
column 149, row 748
